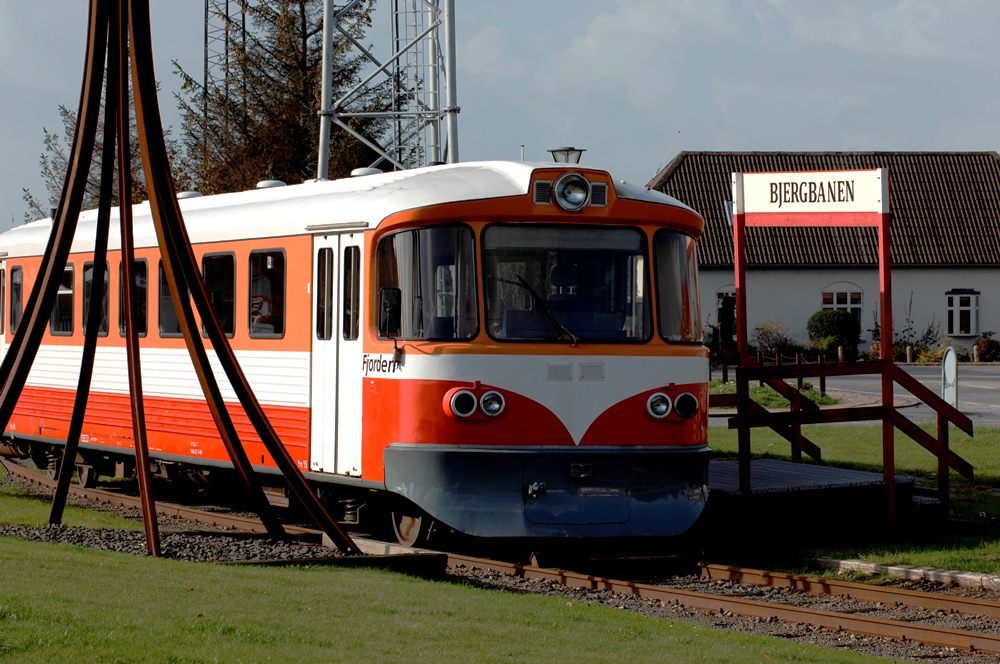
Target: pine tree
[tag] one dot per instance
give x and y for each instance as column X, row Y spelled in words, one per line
column 54, row 162
column 261, row 122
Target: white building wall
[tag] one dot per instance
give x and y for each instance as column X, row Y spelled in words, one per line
column 793, row 295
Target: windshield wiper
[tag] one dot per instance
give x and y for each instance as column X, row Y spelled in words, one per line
column 548, row 312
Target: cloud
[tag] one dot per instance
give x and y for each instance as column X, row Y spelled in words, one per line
column 489, row 51
column 913, row 28
column 640, row 43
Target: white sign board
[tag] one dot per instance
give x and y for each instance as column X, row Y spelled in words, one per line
column 812, row 192
column 949, row 377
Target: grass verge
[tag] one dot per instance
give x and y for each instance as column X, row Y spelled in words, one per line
column 60, row 603
column 767, row 397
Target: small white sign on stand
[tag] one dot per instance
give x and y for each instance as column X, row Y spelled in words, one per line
column 949, row 377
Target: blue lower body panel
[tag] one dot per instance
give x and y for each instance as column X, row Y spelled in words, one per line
column 553, row 492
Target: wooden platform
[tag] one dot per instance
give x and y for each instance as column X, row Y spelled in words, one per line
column 776, row 476
column 800, row 503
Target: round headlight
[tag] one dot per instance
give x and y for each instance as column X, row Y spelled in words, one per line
column 491, row 403
column 572, row 192
column 463, row 403
column 686, row 405
column 658, row 405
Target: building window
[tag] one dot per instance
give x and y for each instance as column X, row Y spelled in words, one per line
column 963, row 312
column 848, row 300
column 61, row 321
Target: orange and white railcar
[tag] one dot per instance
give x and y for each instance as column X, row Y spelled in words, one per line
column 508, row 349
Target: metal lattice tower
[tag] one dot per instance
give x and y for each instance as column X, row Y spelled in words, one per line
column 220, row 18
column 421, row 70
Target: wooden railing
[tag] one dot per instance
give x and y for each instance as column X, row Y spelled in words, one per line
column 750, row 415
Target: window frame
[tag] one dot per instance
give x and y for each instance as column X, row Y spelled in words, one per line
column 697, row 328
column 325, row 289
column 121, row 297
column 953, row 299
column 377, row 281
column 16, row 321
column 351, row 309
column 87, row 294
column 161, row 282
column 56, row 309
column 218, row 254
column 284, row 294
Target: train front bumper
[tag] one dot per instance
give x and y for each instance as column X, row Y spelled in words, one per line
column 553, row 492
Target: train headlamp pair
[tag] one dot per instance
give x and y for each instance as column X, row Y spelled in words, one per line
column 659, row 405
column 463, row 403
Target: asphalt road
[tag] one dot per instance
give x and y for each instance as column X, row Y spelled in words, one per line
column 978, row 391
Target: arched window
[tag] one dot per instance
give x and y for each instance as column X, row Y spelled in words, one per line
column 844, row 295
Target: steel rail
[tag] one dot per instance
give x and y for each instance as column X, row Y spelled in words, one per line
column 858, row 624
column 893, row 629
column 194, row 515
column 849, row 589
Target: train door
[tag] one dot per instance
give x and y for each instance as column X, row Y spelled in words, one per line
column 323, row 401
column 350, row 357
column 335, row 426
column 3, row 308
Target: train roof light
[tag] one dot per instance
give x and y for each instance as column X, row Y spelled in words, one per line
column 359, row 172
column 567, row 155
column 269, row 184
column 571, row 192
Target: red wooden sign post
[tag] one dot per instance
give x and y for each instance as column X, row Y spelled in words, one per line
column 823, row 199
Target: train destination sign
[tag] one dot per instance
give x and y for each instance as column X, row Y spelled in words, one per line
column 796, row 198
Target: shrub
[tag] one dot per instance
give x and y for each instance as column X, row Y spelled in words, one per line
column 772, row 337
column 831, row 328
column 988, row 347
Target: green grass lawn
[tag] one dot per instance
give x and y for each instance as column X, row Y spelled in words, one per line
column 767, row 396
column 970, row 542
column 68, row 604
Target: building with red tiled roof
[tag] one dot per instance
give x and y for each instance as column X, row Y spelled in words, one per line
column 945, row 242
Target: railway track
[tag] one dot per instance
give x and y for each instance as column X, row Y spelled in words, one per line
column 726, row 604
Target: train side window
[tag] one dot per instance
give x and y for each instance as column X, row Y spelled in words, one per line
column 219, row 273
column 267, row 294
column 3, row 293
column 16, row 279
column 169, row 325
column 352, row 292
column 61, row 320
column 324, row 294
column 140, row 291
column 434, row 268
column 88, row 283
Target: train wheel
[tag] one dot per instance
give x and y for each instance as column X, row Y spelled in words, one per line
column 411, row 530
column 88, row 476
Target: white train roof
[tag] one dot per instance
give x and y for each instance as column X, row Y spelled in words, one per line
column 289, row 210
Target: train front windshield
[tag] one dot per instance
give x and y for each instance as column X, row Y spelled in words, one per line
column 566, row 283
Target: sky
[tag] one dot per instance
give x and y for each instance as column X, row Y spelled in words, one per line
column 633, row 82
